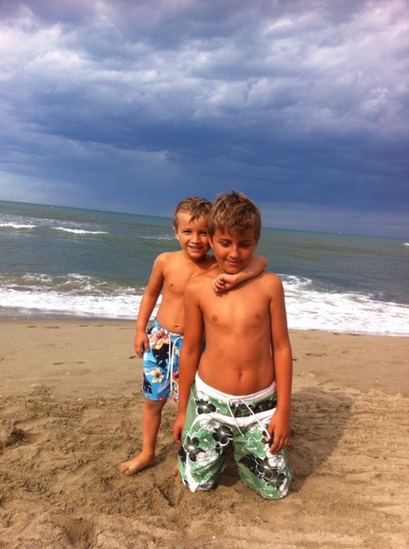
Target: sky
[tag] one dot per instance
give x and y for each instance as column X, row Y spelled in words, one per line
column 132, row 105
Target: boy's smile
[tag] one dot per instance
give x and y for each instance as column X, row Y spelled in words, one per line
column 193, row 236
column 233, row 250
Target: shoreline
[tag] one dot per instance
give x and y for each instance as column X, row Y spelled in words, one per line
column 70, row 412
column 359, row 361
column 16, row 317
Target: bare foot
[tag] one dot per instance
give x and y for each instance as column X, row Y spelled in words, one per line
column 136, row 465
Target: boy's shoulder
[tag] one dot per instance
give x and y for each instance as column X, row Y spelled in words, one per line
column 270, row 281
column 179, row 260
column 169, row 256
column 201, row 276
column 265, row 283
column 165, row 260
column 268, row 277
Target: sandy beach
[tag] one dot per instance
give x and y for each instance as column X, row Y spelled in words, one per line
column 71, row 406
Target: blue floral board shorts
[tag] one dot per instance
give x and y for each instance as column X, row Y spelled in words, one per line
column 161, row 363
column 218, row 423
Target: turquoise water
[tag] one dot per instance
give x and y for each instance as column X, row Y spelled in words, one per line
column 59, row 261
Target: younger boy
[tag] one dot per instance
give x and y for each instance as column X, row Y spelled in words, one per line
column 160, row 347
column 237, row 394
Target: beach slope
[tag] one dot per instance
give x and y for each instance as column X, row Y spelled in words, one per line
column 70, row 412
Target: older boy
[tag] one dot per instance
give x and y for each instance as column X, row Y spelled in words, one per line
column 237, row 394
column 160, row 346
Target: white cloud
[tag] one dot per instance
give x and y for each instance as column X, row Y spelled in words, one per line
column 299, row 92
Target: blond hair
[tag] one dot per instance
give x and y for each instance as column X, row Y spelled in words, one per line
column 234, row 211
column 196, row 206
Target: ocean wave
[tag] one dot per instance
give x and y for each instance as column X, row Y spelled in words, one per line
column 157, row 237
column 78, row 231
column 17, row 226
column 72, row 295
column 308, row 307
column 45, row 224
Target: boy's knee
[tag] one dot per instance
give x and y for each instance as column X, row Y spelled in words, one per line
column 269, row 490
column 195, row 484
column 203, row 486
column 154, row 404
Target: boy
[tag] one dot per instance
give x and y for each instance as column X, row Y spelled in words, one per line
column 237, row 394
column 160, row 347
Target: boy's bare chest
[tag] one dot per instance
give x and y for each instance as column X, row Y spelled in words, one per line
column 176, row 283
column 178, row 273
column 176, row 278
column 238, row 307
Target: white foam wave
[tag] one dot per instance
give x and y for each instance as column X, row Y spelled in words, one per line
column 120, row 307
column 76, row 295
column 307, row 308
column 158, row 237
column 78, row 231
column 17, row 226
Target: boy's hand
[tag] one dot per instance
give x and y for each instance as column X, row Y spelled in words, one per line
column 279, row 429
column 178, row 428
column 141, row 343
column 224, row 282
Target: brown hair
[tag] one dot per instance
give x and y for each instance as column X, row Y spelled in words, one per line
column 234, row 211
column 196, row 206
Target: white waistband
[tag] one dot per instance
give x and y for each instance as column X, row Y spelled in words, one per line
column 225, row 397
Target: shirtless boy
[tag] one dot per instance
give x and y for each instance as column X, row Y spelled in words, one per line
column 160, row 346
column 237, row 394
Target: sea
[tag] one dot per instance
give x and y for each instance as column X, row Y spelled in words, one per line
column 58, row 262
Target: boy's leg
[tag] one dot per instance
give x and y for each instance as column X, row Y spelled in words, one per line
column 151, row 419
column 266, row 473
column 205, row 442
column 156, row 388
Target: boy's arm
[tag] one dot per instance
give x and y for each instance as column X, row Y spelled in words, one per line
column 225, row 281
column 279, row 427
column 190, row 354
column 148, row 302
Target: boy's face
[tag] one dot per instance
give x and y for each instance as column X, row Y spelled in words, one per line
column 233, row 250
column 192, row 235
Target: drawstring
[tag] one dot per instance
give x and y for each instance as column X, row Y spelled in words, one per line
column 231, row 401
column 263, row 429
column 173, row 341
column 158, row 336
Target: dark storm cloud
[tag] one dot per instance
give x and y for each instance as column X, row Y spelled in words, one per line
column 303, row 105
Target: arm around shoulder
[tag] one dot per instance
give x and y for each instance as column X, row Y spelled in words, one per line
column 225, row 281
